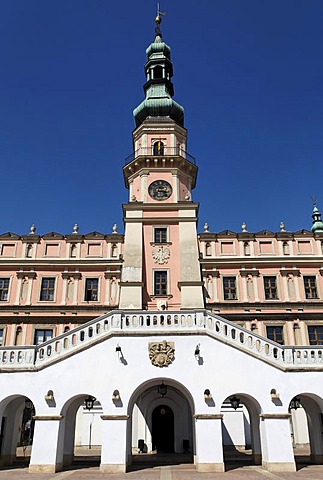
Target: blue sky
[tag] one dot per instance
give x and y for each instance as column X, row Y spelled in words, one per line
column 248, row 73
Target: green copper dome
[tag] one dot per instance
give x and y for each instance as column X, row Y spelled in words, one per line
column 158, row 88
column 317, row 226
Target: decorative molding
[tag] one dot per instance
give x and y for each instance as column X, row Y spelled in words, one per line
column 114, row 417
column 274, row 416
column 161, row 354
column 48, row 417
column 208, row 416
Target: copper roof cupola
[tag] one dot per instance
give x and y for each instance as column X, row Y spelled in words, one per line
column 159, row 90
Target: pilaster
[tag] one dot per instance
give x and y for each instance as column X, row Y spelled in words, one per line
column 209, row 445
column 114, row 443
column 277, row 456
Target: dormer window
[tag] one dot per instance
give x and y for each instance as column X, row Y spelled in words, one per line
column 158, row 148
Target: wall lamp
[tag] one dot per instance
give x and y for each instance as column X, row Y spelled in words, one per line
column 295, row 403
column 116, row 396
column 197, row 352
column 49, row 397
column 235, row 402
column 207, row 395
column 274, row 395
column 89, row 402
column 118, row 351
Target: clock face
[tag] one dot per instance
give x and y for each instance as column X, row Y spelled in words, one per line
column 160, row 190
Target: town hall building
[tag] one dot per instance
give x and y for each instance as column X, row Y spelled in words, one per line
column 162, row 340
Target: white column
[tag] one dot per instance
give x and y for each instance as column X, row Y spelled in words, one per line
column 215, row 286
column 296, row 283
column 65, row 277
column 255, row 287
column 31, row 275
column 44, row 454
column 20, row 277
column 107, row 276
column 244, row 288
column 285, row 287
column 209, row 445
column 114, row 443
column 277, row 449
column 77, row 277
column 176, row 188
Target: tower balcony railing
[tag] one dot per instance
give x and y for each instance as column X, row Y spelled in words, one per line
column 163, row 152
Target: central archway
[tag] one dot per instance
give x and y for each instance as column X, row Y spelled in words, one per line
column 160, row 423
column 163, row 429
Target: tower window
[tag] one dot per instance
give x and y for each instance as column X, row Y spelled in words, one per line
column 91, row 289
column 310, row 287
column 160, row 282
column 158, row 72
column 229, row 288
column 275, row 333
column 159, row 148
column 270, row 286
column 160, row 235
column 47, row 289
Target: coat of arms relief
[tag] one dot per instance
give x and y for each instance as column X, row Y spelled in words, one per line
column 161, row 354
column 161, row 254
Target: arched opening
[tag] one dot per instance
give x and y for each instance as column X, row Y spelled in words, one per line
column 160, row 427
column 306, row 428
column 163, row 429
column 241, row 431
column 158, row 148
column 158, row 72
column 80, row 432
column 18, row 336
column 16, row 430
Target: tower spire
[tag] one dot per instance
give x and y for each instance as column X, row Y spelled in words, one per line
column 316, row 215
column 159, row 90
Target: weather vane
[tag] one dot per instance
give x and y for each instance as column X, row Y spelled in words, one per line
column 158, row 20
column 313, row 200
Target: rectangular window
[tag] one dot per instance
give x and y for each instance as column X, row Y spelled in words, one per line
column 229, row 288
column 94, row 249
column 8, row 250
column 270, row 286
column 304, row 246
column 52, row 250
column 315, row 334
column 275, row 333
column 42, row 336
column 1, row 337
column 266, row 248
column 160, row 282
column 47, row 289
column 160, row 235
column 310, row 287
column 4, row 288
column 91, row 289
column 227, row 248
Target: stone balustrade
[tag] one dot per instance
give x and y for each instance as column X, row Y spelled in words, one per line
column 170, row 323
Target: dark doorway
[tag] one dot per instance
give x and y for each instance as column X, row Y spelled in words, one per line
column 163, row 429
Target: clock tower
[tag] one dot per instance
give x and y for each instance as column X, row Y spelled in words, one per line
column 161, row 261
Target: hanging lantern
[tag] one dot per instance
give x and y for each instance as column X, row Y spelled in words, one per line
column 162, row 389
column 89, row 402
